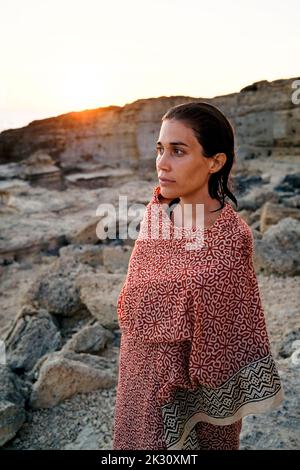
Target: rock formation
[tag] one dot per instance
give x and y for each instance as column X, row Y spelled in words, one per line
column 266, row 121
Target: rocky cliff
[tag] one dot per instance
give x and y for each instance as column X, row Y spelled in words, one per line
column 266, row 121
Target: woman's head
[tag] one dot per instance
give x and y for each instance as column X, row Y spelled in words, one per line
column 195, row 150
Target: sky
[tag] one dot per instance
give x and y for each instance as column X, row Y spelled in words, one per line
column 59, row 56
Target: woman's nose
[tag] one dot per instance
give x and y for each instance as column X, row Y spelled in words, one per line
column 163, row 161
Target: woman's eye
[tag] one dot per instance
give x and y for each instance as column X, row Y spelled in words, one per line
column 176, row 151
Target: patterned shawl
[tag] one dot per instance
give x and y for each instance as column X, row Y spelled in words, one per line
column 207, row 301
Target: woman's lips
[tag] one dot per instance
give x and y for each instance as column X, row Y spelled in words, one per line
column 165, row 181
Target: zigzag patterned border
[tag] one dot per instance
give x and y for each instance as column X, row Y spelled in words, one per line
column 256, row 388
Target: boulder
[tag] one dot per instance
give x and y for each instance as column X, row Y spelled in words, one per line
column 32, row 335
column 99, row 293
column 293, row 201
column 278, row 251
column 288, row 341
column 256, row 197
column 62, row 375
column 272, row 213
column 13, row 393
column 290, row 182
column 91, row 339
column 87, row 254
column 55, row 289
column 116, row 258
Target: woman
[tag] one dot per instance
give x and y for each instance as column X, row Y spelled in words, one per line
column 195, row 355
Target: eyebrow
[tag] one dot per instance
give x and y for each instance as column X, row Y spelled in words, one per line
column 174, row 143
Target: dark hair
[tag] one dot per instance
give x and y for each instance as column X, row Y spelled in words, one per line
column 215, row 134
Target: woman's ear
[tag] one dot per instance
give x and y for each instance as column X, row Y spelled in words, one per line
column 217, row 162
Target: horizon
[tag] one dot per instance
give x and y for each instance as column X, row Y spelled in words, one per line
column 125, row 104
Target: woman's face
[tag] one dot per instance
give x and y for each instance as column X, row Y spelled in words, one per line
column 180, row 159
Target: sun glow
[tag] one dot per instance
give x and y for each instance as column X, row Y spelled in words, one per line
column 59, row 56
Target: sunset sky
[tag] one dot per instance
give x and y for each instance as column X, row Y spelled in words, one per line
column 68, row 55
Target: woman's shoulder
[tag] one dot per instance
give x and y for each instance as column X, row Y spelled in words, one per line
column 235, row 231
column 245, row 233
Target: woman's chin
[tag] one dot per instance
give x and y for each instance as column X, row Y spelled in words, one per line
column 167, row 193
